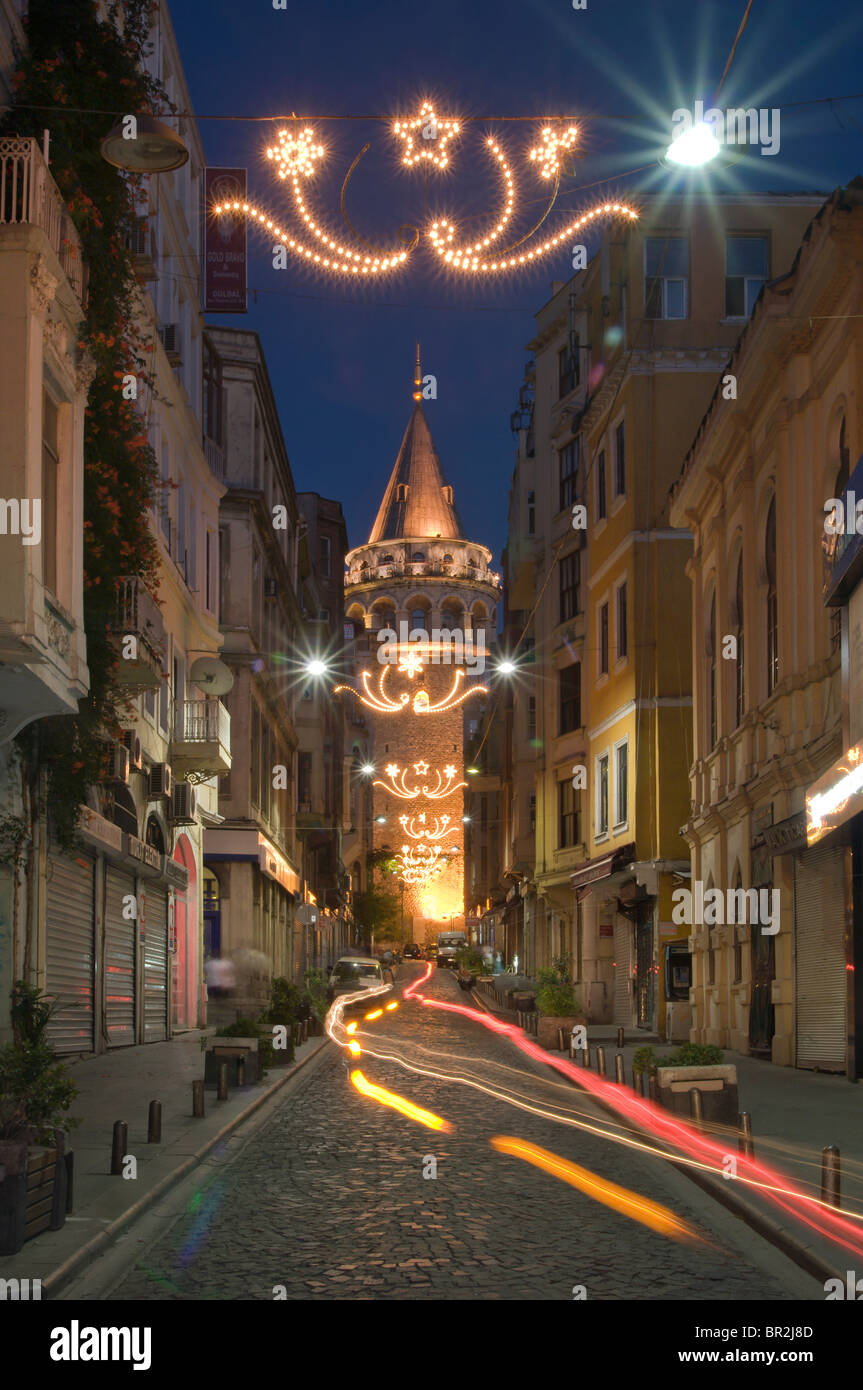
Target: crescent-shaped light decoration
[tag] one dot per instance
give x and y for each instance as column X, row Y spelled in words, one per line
column 297, row 153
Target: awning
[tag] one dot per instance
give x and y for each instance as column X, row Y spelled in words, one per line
column 602, row 866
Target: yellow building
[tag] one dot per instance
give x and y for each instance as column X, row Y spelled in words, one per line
column 627, row 357
column 766, row 657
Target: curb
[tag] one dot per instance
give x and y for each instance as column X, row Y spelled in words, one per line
column 62, row 1274
column 765, row 1226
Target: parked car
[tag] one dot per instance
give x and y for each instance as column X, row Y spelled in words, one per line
column 354, row 973
column 412, row 951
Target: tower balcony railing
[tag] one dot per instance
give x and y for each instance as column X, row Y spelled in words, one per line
column 422, row 569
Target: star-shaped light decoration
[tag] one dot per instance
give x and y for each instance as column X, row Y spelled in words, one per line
column 449, row 771
column 432, row 140
column 548, row 151
column 296, row 154
column 410, row 663
column 421, row 769
column 392, row 770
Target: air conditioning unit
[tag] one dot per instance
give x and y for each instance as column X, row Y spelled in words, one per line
column 121, row 763
column 160, row 782
column 170, row 335
column 133, row 743
column 184, row 803
column 271, row 588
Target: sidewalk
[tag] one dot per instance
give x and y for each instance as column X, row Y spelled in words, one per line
column 119, row 1086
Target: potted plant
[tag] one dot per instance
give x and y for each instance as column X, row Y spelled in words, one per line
column 36, row 1092
column 282, row 1012
column 556, row 1003
column 691, row 1067
column 239, row 1041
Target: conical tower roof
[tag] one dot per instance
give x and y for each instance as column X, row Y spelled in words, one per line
column 418, row 500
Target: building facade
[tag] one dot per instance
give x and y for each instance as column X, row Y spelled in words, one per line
column 252, row 873
column 626, row 358
column 755, row 490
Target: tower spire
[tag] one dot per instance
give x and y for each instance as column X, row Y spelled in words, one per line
column 418, row 378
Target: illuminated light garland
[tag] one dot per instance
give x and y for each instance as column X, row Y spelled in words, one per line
column 547, row 153
column 421, row 703
column 444, row 130
column 526, row 257
column 441, row 827
column 397, row 785
column 296, row 156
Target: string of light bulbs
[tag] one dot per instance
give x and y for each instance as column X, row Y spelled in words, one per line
column 298, row 153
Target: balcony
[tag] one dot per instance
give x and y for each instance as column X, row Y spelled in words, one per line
column 28, row 194
column 141, row 243
column 138, row 616
column 423, row 569
column 201, row 746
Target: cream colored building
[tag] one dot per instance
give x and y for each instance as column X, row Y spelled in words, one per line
column 766, row 658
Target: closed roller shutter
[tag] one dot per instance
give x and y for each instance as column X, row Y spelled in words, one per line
column 69, row 952
column 819, row 923
column 156, row 965
column 120, row 942
column 622, row 972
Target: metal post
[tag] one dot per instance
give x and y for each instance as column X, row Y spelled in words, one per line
column 241, row 1071
column 198, row 1100
column 695, row 1106
column 831, row 1188
column 585, row 1056
column 118, row 1146
column 745, row 1145
column 571, row 1048
column 222, row 1092
column 561, row 1045
column 638, row 1082
column 618, row 1070
column 600, row 1061
column 154, row 1123
column 651, row 1086
column 620, row 1038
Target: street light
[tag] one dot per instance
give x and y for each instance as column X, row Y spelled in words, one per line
column 506, row 667
column 694, row 148
column 316, row 667
column 144, row 145
column 367, row 769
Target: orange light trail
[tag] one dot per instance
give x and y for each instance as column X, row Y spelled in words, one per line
column 399, row 1103
column 620, row 1199
column 696, row 1146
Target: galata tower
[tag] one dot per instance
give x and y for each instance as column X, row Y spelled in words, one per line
column 423, row 602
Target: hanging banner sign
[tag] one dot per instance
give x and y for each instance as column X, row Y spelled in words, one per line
column 224, row 243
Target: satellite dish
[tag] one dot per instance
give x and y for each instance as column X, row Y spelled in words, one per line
column 212, row 675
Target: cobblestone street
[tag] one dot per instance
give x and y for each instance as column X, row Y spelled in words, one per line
column 327, row 1197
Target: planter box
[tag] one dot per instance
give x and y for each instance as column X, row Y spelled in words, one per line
column 549, row 1024
column 32, row 1193
column 718, row 1087
column 231, row 1051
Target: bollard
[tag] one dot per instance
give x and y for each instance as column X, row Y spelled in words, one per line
column 561, row 1045
column 600, row 1061
column 695, row 1106
column 118, row 1146
column 585, row 1056
column 637, row 1083
column 651, row 1086
column 571, row 1048
column 198, row 1100
column 519, row 1019
column 154, row 1123
column 618, row 1070
column 620, row 1038
column 745, row 1145
column 241, row 1071
column 222, row 1093
column 831, row 1189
